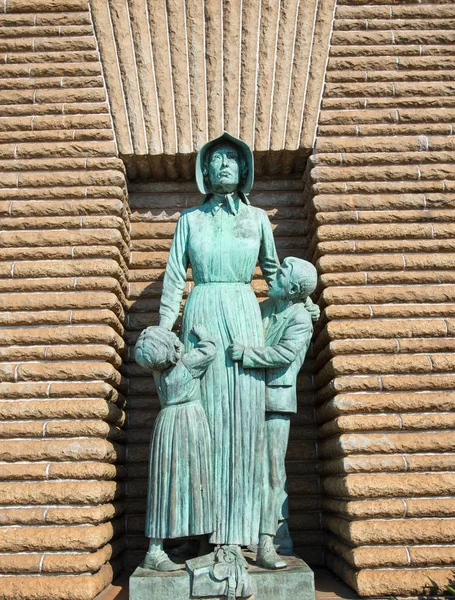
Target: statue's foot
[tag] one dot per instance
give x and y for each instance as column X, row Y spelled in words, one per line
column 159, row 561
column 283, row 542
column 267, row 556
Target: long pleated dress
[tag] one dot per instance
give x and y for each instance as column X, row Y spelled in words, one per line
column 222, row 243
column 179, row 495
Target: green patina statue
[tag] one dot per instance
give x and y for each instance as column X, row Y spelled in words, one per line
column 287, row 317
column 180, row 478
column 222, row 240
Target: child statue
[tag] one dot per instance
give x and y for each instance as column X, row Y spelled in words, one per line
column 180, row 482
column 287, row 318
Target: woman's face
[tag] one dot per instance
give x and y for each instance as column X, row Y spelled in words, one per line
column 224, row 169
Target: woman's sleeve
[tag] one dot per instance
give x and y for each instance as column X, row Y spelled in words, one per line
column 268, row 258
column 198, row 359
column 175, row 275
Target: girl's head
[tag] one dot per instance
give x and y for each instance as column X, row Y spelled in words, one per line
column 157, row 348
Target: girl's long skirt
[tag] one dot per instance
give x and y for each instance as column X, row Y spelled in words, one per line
column 180, row 488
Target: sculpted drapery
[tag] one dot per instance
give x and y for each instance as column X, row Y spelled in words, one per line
column 222, row 240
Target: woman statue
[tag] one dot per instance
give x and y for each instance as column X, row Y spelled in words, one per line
column 222, row 240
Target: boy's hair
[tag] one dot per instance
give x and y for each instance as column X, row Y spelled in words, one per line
column 304, row 274
column 155, row 348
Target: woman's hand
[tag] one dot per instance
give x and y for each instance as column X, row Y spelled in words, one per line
column 236, row 351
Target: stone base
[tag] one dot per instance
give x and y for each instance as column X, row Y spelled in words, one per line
column 294, row 583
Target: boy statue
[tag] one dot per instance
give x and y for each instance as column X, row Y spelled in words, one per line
column 287, row 318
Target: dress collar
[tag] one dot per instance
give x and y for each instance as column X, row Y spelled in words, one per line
column 230, row 201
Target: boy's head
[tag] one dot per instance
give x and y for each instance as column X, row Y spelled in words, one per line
column 157, row 348
column 296, row 279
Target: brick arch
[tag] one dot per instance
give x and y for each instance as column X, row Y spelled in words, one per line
column 179, row 74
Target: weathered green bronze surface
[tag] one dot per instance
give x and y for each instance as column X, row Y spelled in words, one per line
column 227, row 388
column 294, row 583
column 222, row 239
column 287, row 319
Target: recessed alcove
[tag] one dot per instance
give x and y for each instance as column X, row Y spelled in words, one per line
column 155, row 208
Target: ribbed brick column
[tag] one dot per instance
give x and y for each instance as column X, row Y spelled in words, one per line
column 63, row 251
column 383, row 226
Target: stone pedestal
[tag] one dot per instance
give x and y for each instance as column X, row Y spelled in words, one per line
column 294, row 583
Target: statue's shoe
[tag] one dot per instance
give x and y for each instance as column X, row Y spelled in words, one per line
column 159, row 561
column 268, row 558
column 283, row 542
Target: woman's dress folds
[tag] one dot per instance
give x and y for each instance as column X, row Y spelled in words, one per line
column 223, row 248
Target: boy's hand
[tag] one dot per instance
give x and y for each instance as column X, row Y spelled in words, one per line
column 236, row 351
column 313, row 309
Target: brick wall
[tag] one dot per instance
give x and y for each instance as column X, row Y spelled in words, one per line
column 383, row 225
column 378, row 213
column 63, row 251
column 155, row 209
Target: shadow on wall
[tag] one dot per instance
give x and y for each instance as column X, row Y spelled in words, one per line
column 178, row 167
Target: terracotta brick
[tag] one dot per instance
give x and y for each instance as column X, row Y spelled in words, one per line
column 72, row 515
column 22, row 516
column 82, row 587
column 57, row 492
column 83, row 562
column 88, row 538
column 389, row 485
column 59, row 450
column 393, row 402
column 395, row 531
column 20, row 563
column 374, row 508
column 429, row 441
column 371, row 557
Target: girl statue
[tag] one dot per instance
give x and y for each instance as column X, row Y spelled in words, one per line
column 179, row 491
